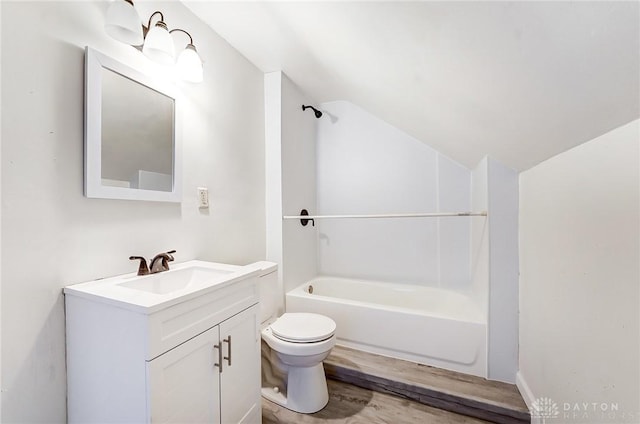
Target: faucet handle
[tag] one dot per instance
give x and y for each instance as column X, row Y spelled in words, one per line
column 167, row 258
column 143, row 269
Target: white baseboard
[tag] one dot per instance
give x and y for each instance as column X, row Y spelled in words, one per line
column 527, row 395
column 525, row 391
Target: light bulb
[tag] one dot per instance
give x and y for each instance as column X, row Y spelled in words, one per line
column 158, row 45
column 123, row 23
column 189, row 65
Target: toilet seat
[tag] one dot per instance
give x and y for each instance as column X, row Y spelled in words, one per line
column 303, row 327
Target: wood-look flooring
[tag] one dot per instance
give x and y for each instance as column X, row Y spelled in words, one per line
column 368, row 388
column 453, row 391
column 356, row 405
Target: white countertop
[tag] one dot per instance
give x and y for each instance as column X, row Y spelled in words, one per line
column 111, row 290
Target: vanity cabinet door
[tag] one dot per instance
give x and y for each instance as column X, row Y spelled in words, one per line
column 184, row 383
column 240, row 377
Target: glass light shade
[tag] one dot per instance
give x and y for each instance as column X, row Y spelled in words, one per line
column 189, row 65
column 123, row 23
column 158, row 45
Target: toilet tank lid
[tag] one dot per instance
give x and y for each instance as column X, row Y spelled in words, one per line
column 266, row 267
column 303, row 327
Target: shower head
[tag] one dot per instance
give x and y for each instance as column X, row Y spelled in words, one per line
column 316, row 111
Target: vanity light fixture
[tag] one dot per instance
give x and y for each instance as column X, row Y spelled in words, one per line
column 124, row 24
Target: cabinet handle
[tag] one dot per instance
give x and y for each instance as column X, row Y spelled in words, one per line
column 219, row 364
column 228, row 340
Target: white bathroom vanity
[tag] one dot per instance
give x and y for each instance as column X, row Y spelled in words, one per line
column 177, row 346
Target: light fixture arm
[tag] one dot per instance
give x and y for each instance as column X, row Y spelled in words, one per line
column 154, row 40
column 145, row 29
column 181, row 30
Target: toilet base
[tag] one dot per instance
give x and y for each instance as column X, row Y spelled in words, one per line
column 306, row 390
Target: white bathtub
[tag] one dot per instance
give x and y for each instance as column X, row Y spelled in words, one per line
column 426, row 325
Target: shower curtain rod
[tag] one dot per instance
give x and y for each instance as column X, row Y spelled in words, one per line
column 388, row 215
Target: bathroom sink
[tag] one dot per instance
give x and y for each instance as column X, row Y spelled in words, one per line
column 171, row 281
column 150, row 293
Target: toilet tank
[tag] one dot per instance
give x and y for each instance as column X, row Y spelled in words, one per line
column 270, row 296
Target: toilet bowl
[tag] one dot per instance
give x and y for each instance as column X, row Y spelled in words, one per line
column 301, row 341
column 297, row 343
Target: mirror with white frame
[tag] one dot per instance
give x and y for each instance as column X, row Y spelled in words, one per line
column 132, row 147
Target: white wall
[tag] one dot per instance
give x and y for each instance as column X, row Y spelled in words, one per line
column 52, row 236
column 502, row 337
column 494, row 263
column 273, row 172
column 298, row 185
column 579, row 281
column 366, row 166
column 0, row 219
column 291, row 180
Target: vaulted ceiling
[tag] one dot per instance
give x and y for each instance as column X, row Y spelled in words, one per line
column 520, row 81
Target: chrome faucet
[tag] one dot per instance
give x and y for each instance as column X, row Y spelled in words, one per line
column 161, row 262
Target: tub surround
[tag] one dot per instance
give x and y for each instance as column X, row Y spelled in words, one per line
column 365, row 166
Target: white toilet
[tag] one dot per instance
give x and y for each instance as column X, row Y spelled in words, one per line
column 301, row 342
